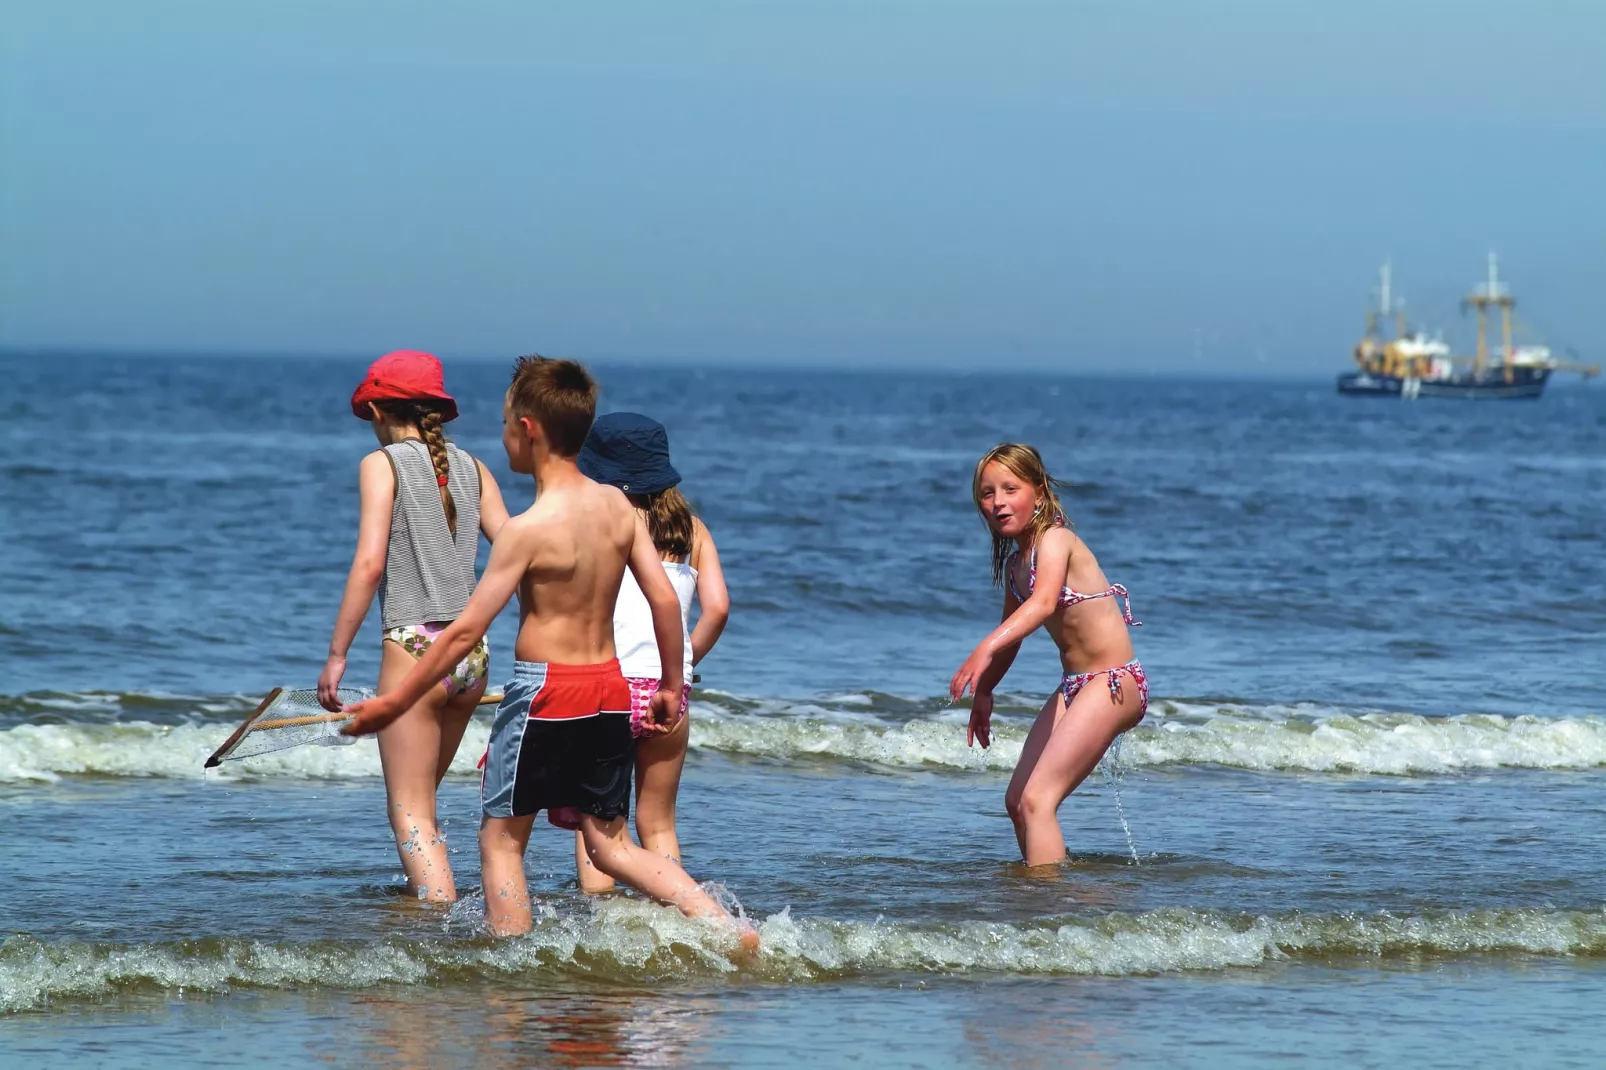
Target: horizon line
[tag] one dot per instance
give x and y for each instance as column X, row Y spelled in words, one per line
column 946, row 369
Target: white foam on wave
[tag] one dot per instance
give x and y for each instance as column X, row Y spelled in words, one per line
column 140, row 749
column 631, row 940
column 1291, row 739
column 1267, row 739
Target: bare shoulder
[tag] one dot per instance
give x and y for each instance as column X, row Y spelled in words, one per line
column 1058, row 541
column 1077, row 551
column 376, row 461
column 700, row 541
column 524, row 526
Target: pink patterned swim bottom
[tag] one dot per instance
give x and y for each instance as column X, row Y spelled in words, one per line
column 1073, row 682
column 642, row 689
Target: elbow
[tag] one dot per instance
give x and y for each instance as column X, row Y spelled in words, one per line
column 368, row 570
column 717, row 610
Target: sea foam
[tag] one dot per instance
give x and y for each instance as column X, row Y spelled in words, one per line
column 641, row 942
column 875, row 732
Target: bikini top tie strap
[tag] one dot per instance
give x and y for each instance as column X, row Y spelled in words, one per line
column 1126, row 604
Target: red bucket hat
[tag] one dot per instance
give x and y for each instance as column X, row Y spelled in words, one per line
column 404, row 375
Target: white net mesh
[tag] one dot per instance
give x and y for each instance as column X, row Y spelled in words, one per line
column 289, row 719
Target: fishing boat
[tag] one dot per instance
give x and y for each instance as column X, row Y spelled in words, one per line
column 1412, row 365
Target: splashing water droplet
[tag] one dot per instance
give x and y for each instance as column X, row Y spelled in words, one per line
column 1114, row 772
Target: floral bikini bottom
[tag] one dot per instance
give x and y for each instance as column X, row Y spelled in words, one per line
column 417, row 638
column 1073, row 682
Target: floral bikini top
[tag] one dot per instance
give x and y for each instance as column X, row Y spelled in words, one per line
column 1068, row 597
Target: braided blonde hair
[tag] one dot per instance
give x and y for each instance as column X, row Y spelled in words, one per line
column 427, row 418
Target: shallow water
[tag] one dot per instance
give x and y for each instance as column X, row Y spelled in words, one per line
column 1367, row 804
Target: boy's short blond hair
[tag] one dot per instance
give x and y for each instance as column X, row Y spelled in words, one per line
column 560, row 395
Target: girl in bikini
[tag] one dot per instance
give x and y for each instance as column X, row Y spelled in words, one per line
column 1050, row 578
column 631, row 452
column 424, row 504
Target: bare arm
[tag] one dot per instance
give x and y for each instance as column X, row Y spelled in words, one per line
column 493, row 512
column 1005, row 657
column 510, row 557
column 376, row 486
column 980, row 729
column 713, row 600
column 1054, row 549
column 648, row 568
column 1053, row 556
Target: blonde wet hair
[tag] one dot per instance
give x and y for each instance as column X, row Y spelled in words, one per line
column 1027, row 465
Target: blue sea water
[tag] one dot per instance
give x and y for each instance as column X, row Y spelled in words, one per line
column 1367, row 807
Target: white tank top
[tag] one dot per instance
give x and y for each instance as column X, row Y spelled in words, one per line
column 633, row 636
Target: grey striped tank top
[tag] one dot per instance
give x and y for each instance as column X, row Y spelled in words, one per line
column 429, row 572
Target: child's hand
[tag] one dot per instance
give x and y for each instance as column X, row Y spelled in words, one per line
column 971, row 671
column 329, row 683
column 981, row 722
column 370, row 715
column 663, row 711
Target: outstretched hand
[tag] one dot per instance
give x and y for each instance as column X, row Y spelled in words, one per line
column 370, row 715
column 964, row 680
column 980, row 729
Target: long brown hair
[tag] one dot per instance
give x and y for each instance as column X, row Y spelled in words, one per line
column 1027, row 465
column 427, row 418
column 670, row 522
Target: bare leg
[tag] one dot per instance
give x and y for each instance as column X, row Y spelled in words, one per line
column 507, row 896
column 1082, row 734
column 659, row 761
column 591, row 879
column 1030, row 752
column 454, row 722
column 611, row 850
column 409, row 754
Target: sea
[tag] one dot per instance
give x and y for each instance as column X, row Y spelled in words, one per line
column 1363, row 824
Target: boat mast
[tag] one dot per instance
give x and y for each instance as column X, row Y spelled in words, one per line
column 1386, row 302
column 1492, row 294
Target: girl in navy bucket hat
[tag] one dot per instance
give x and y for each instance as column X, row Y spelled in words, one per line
column 631, row 451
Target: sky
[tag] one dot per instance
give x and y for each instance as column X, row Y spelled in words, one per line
column 1096, row 186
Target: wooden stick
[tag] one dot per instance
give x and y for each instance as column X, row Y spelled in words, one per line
column 245, row 725
column 291, row 722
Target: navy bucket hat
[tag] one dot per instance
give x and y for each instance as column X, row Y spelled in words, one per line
column 629, row 451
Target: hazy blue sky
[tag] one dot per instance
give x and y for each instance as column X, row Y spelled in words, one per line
column 1100, row 185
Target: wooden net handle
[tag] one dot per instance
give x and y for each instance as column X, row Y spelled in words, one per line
column 321, row 718
column 228, row 744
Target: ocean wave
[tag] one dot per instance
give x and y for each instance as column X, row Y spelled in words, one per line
column 878, row 731
column 631, row 940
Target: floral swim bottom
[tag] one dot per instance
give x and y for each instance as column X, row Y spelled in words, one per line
column 1073, row 682
column 417, row 638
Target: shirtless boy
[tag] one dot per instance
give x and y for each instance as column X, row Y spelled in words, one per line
column 561, row 740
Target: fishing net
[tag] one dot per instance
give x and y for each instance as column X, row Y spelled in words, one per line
column 288, row 718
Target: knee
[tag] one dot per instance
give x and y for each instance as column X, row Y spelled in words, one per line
column 1033, row 806
column 1013, row 808
column 412, row 824
column 654, row 821
column 498, row 843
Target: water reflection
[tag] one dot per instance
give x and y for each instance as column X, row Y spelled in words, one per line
column 497, row 1027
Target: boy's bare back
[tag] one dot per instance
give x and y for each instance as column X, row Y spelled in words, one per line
column 575, row 543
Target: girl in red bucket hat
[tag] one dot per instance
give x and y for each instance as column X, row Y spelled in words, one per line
column 424, row 504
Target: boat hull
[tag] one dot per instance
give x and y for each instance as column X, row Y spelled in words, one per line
column 1526, row 383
